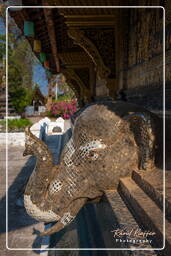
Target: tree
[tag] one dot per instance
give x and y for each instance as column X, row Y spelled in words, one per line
column 20, row 97
column 20, row 64
column 22, row 57
column 2, row 47
column 19, row 71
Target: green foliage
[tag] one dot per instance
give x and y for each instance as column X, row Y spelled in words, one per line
column 19, row 71
column 67, row 90
column 21, row 59
column 20, row 63
column 49, row 114
column 11, row 41
column 2, row 46
column 62, row 85
column 20, row 97
column 16, row 124
column 15, row 76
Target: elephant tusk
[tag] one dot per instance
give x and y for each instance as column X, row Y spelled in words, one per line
column 67, row 218
column 55, row 228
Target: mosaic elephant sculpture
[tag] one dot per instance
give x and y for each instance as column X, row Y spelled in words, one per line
column 109, row 140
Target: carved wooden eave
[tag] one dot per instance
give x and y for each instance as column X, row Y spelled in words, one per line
column 78, row 95
column 82, row 65
column 51, row 32
column 79, row 38
column 24, row 15
column 75, row 58
column 89, row 20
column 78, row 90
column 77, row 41
column 91, row 8
column 89, row 28
column 75, row 87
column 70, row 74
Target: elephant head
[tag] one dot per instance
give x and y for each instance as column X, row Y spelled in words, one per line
column 109, row 140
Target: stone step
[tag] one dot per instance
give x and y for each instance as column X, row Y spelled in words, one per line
column 3, row 109
column 2, row 115
column 152, row 184
column 3, row 103
column 3, row 99
column 122, row 219
column 146, row 212
column 9, row 114
column 160, row 113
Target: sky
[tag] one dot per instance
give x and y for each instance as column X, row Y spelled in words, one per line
column 39, row 75
column 2, row 27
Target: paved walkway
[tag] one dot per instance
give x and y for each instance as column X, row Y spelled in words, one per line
column 22, row 229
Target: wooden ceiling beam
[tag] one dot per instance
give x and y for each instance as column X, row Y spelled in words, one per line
column 24, row 15
column 40, row 22
column 41, row 32
column 37, row 15
column 51, row 32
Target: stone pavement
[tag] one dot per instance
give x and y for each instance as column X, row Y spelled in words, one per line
column 21, row 227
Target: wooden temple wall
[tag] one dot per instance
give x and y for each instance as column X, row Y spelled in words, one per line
column 143, row 62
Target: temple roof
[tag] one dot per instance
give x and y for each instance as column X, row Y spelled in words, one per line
column 51, row 25
column 89, row 45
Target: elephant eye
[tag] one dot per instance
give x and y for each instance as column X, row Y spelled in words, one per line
column 93, row 155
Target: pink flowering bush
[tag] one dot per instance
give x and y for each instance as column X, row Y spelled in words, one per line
column 63, row 109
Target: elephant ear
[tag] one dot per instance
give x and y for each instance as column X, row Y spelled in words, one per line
column 35, row 146
column 143, row 127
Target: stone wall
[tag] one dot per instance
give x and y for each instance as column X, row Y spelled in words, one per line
column 14, row 139
column 144, row 58
column 41, row 129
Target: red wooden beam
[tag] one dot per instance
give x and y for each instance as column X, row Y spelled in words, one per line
column 51, row 32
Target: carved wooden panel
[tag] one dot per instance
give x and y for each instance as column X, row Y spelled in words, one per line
column 146, row 35
column 145, row 54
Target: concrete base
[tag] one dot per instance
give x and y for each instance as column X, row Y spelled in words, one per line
column 13, row 139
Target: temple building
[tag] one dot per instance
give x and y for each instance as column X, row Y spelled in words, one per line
column 103, row 52
column 108, row 49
